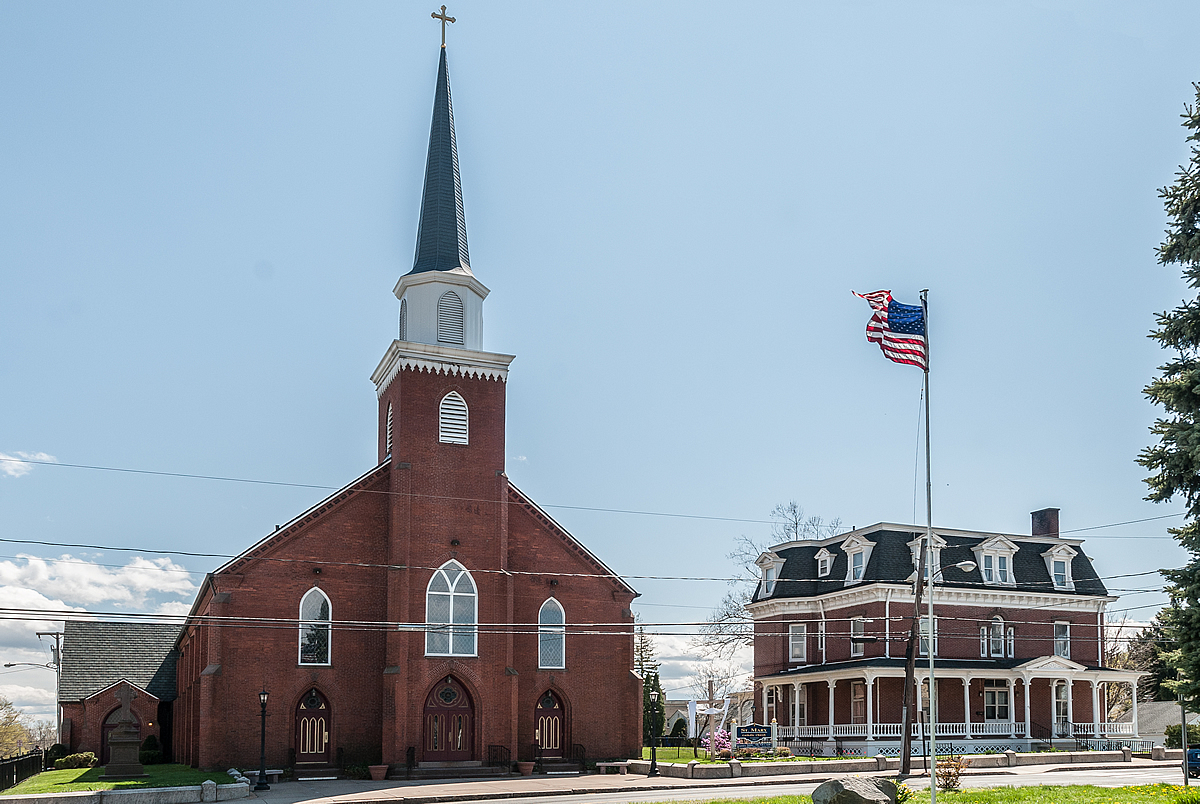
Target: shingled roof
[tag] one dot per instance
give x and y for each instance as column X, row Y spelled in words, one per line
column 891, row 562
column 96, row 655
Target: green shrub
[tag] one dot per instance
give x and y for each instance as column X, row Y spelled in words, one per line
column 357, row 772
column 151, row 743
column 55, row 753
column 84, row 760
column 150, row 757
column 1173, row 732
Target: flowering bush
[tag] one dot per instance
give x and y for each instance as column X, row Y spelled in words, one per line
column 720, row 742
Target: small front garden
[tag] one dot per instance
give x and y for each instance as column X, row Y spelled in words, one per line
column 77, row 779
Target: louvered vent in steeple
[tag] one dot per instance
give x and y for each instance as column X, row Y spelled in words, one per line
column 450, row 318
column 452, row 419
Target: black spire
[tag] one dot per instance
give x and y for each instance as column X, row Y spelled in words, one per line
column 442, row 233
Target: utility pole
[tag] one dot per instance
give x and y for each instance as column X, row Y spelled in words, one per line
column 57, row 679
column 910, row 671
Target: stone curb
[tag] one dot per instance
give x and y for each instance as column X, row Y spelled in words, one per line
column 209, row 791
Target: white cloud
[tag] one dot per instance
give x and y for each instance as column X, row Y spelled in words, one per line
column 87, row 583
column 681, row 664
column 13, row 466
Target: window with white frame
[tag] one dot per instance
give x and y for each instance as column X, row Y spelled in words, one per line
column 798, row 642
column 995, row 559
column 453, row 419
column 858, row 702
column 1062, row 639
column 552, row 636
column 450, row 318
column 824, row 562
column 1060, row 573
column 858, row 558
column 858, row 630
column 924, row 646
column 769, row 577
column 771, row 565
column 451, row 612
column 933, row 561
column 821, row 636
column 995, row 699
column 1058, row 565
column 1062, row 709
column 996, row 637
column 315, row 618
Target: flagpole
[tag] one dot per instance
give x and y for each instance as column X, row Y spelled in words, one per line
column 929, row 563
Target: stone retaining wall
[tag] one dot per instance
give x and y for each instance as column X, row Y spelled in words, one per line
column 209, row 791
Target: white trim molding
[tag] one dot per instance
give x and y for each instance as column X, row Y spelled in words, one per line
column 406, row 355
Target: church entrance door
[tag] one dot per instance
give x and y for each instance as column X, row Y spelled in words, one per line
column 449, row 729
column 550, row 731
column 313, row 721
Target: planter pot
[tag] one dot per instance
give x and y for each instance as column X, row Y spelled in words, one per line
column 378, row 772
column 526, row 768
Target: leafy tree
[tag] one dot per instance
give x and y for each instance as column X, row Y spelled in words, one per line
column 14, row 729
column 1147, row 652
column 728, row 627
column 1174, row 460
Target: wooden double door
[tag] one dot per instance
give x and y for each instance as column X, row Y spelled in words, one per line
column 448, row 732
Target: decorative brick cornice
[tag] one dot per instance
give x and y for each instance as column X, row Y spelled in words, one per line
column 409, row 356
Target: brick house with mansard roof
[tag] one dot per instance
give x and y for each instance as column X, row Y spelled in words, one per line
column 1017, row 641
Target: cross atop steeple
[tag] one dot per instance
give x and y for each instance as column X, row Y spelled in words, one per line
column 444, row 20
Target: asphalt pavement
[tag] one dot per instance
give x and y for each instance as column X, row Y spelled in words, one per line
column 616, row 789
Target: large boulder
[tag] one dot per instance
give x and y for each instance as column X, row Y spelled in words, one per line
column 856, row 790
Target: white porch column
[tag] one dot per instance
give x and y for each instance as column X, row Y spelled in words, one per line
column 1133, row 694
column 1025, row 679
column 1096, row 709
column 967, row 704
column 1012, row 707
column 795, row 707
column 870, row 707
column 831, row 682
column 1070, row 682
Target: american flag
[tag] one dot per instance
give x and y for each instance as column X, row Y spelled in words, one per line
column 899, row 329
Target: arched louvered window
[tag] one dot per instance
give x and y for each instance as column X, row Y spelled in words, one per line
column 450, row 318
column 404, row 319
column 451, row 609
column 389, row 429
column 452, row 419
column 552, row 636
column 315, row 616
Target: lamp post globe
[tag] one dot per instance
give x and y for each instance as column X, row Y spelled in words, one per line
column 262, row 746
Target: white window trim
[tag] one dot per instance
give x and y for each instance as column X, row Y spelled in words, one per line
column 858, row 628
column 993, row 639
column 798, row 637
column 770, row 564
column 451, row 626
column 851, row 547
column 995, row 548
column 1065, row 554
column 550, row 629
column 917, row 545
column 824, row 560
column 303, row 627
column 922, row 631
column 1066, row 639
column 450, row 435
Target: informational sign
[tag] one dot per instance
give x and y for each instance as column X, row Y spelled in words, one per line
column 753, row 736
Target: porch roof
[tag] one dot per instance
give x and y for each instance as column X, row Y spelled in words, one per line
column 881, row 666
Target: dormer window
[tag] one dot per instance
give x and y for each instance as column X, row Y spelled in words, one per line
column 771, row 565
column 858, row 555
column 995, row 559
column 1058, row 565
column 824, row 562
column 934, row 561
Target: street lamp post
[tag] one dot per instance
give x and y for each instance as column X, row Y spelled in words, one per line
column 262, row 746
column 653, row 733
column 965, row 566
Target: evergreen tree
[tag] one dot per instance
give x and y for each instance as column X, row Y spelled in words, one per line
column 643, row 653
column 1175, row 459
column 651, row 712
column 1148, row 652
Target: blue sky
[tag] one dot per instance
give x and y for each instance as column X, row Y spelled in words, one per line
column 204, row 207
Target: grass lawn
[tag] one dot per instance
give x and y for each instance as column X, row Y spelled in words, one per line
column 65, row 781
column 676, row 754
column 1046, row 794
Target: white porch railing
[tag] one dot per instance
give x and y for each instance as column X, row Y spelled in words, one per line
column 960, row 730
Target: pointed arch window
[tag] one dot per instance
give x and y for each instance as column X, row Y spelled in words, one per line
column 404, row 319
column 451, row 612
column 552, row 636
column 389, row 430
column 450, row 318
column 315, row 617
column 452, row 419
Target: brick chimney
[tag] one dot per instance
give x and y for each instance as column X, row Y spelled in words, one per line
column 1045, row 522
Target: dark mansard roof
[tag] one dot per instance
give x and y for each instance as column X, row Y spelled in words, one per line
column 891, row 561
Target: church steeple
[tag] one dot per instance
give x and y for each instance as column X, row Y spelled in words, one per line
column 442, row 232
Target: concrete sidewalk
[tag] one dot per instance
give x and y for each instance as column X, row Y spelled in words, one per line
column 431, row 792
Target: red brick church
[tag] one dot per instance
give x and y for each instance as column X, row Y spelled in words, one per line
column 429, row 610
